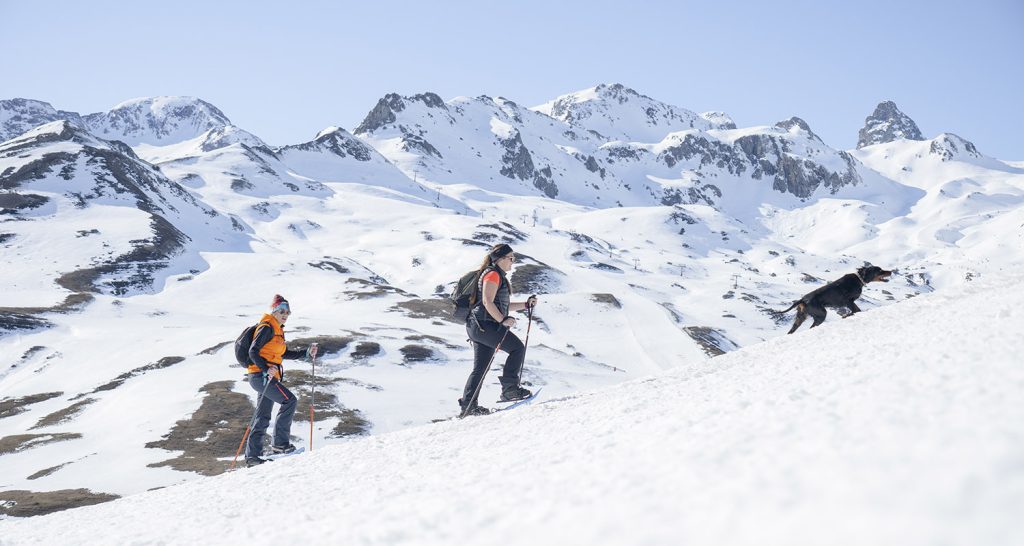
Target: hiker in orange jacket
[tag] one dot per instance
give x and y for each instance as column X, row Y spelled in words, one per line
column 266, row 354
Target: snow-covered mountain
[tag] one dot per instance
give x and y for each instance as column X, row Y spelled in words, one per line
column 90, row 216
column 887, row 124
column 155, row 120
column 336, row 155
column 856, row 433
column 656, row 237
column 616, row 112
column 18, row 116
column 656, row 154
column 492, row 144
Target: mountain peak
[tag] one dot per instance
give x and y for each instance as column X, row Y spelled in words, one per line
column 886, row 124
column 329, row 131
column 337, row 141
column 384, row 112
column 795, row 122
column 20, row 115
column 566, row 106
column 617, row 112
column 949, row 146
column 618, row 92
column 56, row 131
column 719, row 120
column 157, row 120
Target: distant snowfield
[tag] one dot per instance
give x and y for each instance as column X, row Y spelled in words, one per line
column 901, row 425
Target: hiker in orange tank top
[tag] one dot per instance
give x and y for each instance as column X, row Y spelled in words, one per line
column 489, row 325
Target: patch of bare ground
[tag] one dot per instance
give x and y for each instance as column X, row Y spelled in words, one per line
column 417, row 353
column 373, row 290
column 164, row 362
column 327, row 344
column 47, row 471
column 607, row 299
column 213, row 431
column 21, row 503
column 20, row 442
column 64, row 415
column 433, row 339
column 433, row 308
column 535, row 278
column 27, row 318
column 365, row 349
column 327, row 406
column 14, row 406
column 210, row 433
column 710, row 340
column 215, row 348
column 31, row 352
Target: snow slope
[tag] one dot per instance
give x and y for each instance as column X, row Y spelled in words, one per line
column 903, row 425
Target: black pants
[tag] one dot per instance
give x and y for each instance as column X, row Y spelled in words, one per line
column 485, row 337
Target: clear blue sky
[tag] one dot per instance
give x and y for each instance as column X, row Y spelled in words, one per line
column 284, row 73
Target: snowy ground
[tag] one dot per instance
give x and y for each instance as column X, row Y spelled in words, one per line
column 902, row 425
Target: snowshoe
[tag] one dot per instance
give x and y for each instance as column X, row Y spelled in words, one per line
column 277, row 450
column 283, row 454
column 518, row 403
column 254, row 461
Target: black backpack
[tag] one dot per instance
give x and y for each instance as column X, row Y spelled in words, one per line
column 243, row 343
column 464, row 296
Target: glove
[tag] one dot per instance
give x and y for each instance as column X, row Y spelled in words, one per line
column 531, row 301
column 312, row 351
column 274, row 372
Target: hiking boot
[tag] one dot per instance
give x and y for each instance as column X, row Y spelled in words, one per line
column 478, row 410
column 473, row 409
column 511, row 394
column 277, row 450
column 254, row 461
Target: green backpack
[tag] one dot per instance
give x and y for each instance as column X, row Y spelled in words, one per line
column 464, row 296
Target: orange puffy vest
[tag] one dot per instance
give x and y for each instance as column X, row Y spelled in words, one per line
column 274, row 350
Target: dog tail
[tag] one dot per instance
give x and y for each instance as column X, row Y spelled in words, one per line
column 790, row 308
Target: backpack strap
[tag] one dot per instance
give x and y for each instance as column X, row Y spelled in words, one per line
column 259, row 325
column 480, row 284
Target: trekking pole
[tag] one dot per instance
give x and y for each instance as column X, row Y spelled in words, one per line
column 312, row 398
column 526, row 340
column 250, row 425
column 480, row 384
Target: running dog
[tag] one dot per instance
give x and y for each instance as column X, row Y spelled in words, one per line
column 839, row 293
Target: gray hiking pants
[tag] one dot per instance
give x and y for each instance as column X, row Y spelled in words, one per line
column 276, row 392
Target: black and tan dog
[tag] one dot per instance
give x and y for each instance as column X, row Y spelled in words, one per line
column 839, row 293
